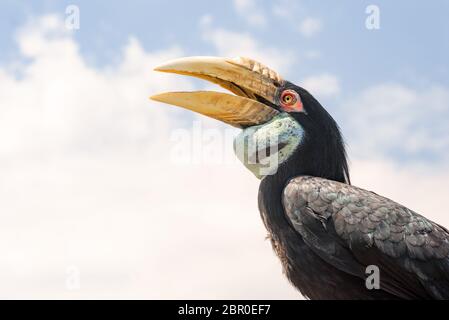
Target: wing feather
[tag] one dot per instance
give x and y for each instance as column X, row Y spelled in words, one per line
column 352, row 228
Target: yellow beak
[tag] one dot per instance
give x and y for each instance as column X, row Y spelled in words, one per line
column 250, row 81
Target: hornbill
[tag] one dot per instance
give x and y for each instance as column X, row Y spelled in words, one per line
column 325, row 231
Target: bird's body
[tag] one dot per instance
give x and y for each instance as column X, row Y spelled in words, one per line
column 327, row 233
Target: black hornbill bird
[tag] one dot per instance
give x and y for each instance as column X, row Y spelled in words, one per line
column 325, row 231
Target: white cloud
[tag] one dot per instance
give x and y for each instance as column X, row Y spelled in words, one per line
column 310, row 27
column 287, row 9
column 244, row 44
column 292, row 11
column 87, row 182
column 206, row 20
column 322, row 85
column 395, row 119
column 250, row 11
column 60, row 103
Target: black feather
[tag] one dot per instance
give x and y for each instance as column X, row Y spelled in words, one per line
column 326, row 232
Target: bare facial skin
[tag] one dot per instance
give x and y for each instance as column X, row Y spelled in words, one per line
column 263, row 148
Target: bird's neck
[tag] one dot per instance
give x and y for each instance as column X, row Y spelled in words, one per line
column 328, row 163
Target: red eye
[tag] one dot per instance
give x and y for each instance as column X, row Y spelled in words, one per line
column 290, row 101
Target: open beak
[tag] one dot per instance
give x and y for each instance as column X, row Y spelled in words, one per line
column 254, row 85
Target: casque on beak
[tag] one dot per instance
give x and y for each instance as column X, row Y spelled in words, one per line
column 251, row 82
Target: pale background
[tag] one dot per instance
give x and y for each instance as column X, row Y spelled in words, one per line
column 94, row 202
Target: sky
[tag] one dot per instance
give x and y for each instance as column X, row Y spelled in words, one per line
column 105, row 194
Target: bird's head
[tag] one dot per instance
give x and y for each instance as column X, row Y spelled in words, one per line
column 285, row 129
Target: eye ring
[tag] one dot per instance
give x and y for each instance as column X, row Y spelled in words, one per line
column 290, row 101
column 288, row 97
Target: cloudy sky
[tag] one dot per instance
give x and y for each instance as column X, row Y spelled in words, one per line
column 104, row 194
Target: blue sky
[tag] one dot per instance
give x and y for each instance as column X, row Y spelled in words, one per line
column 412, row 45
column 410, row 48
column 91, row 188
